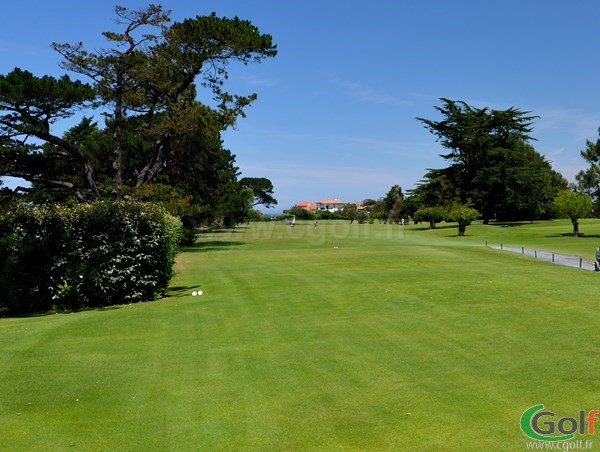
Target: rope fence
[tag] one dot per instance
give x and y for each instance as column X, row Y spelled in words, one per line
column 560, row 259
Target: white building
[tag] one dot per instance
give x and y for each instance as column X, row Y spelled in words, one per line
column 332, row 205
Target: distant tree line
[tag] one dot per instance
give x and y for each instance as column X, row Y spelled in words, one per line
column 493, row 172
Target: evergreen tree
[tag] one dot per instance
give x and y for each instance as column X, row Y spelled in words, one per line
column 491, row 166
column 389, row 201
column 588, row 180
column 148, row 79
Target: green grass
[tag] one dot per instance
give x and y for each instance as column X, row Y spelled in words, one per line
column 340, row 337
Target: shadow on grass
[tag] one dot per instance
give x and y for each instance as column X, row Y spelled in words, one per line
column 223, row 231
column 427, row 228
column 54, row 311
column 109, row 308
column 179, row 291
column 570, row 234
column 20, row 315
column 510, row 224
column 212, row 245
column 498, row 224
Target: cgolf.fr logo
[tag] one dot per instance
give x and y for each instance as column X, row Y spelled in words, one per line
column 543, row 425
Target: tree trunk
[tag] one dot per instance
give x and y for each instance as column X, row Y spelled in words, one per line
column 575, row 227
column 118, row 153
column 88, row 169
column 151, row 170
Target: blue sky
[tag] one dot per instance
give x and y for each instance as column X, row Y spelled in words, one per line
column 336, row 108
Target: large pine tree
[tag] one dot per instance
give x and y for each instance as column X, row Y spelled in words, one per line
column 491, row 164
column 145, row 84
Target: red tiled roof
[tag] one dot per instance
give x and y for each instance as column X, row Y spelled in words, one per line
column 330, row 201
column 307, row 205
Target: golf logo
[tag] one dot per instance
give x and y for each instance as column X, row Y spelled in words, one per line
column 543, row 425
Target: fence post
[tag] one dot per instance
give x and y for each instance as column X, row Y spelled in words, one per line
column 501, row 246
column 580, row 261
column 522, row 250
column 552, row 257
column 535, row 253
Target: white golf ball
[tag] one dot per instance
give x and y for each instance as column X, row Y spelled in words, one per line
column 200, row 292
column 194, row 293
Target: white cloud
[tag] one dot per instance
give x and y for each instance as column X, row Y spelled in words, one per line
column 577, row 125
column 370, row 95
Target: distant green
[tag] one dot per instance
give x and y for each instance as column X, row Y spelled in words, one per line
column 332, row 337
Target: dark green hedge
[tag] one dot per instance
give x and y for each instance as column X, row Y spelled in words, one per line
column 105, row 253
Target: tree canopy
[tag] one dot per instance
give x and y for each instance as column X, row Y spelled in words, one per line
column 146, row 85
column 588, row 180
column 491, row 163
column 262, row 190
column 463, row 215
column 572, row 205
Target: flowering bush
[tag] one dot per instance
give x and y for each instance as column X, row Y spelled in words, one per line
column 96, row 254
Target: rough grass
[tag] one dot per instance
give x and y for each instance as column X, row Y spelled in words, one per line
column 339, row 337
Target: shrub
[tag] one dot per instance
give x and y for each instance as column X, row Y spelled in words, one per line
column 299, row 213
column 33, row 241
column 463, row 215
column 362, row 217
column 433, row 215
column 88, row 255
